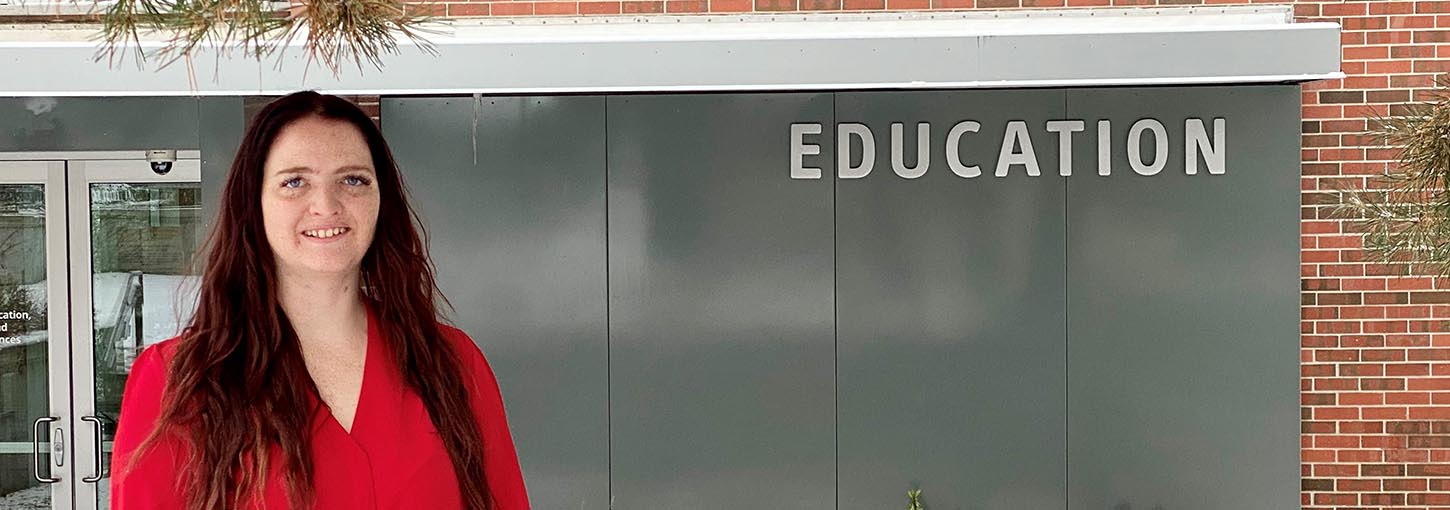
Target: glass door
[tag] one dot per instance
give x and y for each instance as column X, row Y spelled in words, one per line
column 111, row 241
column 35, row 388
column 133, row 234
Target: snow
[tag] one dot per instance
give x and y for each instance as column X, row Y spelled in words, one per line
column 162, row 313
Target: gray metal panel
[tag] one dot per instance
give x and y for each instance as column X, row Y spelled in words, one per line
column 518, row 239
column 720, row 305
column 747, row 52
column 1183, row 309
column 220, row 127
column 951, row 311
column 97, row 124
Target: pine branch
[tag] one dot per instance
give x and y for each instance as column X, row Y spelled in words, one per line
column 332, row 30
column 1405, row 215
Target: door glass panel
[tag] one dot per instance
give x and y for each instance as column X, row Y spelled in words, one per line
column 24, row 342
column 143, row 237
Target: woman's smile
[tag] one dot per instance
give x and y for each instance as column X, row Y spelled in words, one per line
column 326, row 235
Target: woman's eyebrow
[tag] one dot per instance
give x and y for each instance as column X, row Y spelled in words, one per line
column 309, row 170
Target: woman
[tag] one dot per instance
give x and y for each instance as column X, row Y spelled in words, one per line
column 313, row 373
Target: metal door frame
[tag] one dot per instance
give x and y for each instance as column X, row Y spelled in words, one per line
column 52, row 175
column 83, row 173
column 66, row 177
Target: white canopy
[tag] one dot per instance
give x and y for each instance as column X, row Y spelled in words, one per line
column 818, row 51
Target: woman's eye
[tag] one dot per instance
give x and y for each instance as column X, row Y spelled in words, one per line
column 354, row 180
column 292, row 183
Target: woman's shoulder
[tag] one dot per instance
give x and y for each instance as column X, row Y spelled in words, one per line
column 157, row 356
column 459, row 341
column 149, row 371
column 468, row 351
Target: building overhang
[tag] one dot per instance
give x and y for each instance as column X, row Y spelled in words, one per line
column 664, row 53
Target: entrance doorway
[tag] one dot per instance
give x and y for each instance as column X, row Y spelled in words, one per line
column 95, row 263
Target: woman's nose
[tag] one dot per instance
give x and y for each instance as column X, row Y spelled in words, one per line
column 327, row 201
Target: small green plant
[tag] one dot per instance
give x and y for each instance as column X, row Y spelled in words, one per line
column 913, row 499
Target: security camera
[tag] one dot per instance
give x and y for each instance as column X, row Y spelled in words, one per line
column 161, row 160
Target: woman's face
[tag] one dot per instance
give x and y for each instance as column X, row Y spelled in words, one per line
column 319, row 197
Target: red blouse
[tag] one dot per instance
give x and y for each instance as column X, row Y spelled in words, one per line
column 392, row 459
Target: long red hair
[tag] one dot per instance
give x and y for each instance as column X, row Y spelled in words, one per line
column 238, row 385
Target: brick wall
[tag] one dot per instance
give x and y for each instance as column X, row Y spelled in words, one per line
column 1375, row 349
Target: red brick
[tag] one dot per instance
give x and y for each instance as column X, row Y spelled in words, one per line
column 1427, row 383
column 1316, row 455
column 1363, row 284
column 1352, row 485
column 1391, row 7
column 641, row 7
column 1382, row 442
column 1323, row 355
column 1382, row 470
column 1431, row 36
column 1407, row 312
column 1376, row 384
column 1382, row 355
column 1390, row 37
column 1336, row 413
column 1427, row 499
column 1407, row 398
column 1361, row 369
column 1411, row 369
column 1345, row 9
column 1336, row 327
column 1411, row 22
column 1336, row 384
column 1386, row 326
column 731, row 5
column 1335, row 499
column 1407, row 340
column 599, row 8
column 1394, row 455
column 1406, row 485
column 1382, row 499
column 1336, row 441
column 469, row 9
column 556, row 8
column 1432, row 7
column 692, row 6
column 1429, row 354
column 775, row 5
column 1430, row 413
column 1384, row 413
column 1362, row 427
column 1427, row 470
column 513, row 8
column 1381, row 298
column 1430, row 326
column 1366, row 52
column 863, row 5
column 1427, row 441
column 1317, row 399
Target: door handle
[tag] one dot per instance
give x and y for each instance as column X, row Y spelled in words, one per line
column 95, row 422
column 35, row 442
